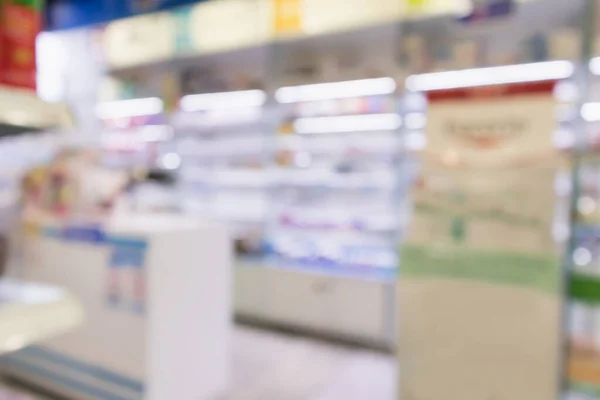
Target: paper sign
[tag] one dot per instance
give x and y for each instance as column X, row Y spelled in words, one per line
column 126, row 280
column 480, row 272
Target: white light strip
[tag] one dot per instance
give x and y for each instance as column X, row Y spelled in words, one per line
column 129, row 108
column 336, row 90
column 591, row 112
column 534, row 72
column 348, row 123
column 595, row 66
column 223, row 100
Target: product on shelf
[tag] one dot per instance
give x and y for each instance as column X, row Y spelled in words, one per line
column 222, row 140
column 134, row 131
column 333, row 196
column 73, row 185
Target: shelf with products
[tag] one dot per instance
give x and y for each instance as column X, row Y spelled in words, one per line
column 336, row 156
column 584, row 273
column 134, row 131
column 19, row 154
column 222, row 139
column 586, row 233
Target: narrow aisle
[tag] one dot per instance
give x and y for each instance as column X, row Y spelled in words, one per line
column 273, row 366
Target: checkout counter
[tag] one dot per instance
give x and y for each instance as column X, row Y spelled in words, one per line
column 156, row 295
column 155, row 289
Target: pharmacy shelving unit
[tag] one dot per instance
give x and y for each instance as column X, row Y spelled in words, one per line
column 223, row 142
column 331, row 226
column 29, row 135
column 263, row 183
column 333, row 222
column 134, row 132
column 584, row 262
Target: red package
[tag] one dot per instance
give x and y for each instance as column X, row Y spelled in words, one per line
column 19, row 29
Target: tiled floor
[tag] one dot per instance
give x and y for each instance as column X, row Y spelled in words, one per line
column 272, row 366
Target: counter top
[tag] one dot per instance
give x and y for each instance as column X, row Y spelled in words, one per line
column 30, row 313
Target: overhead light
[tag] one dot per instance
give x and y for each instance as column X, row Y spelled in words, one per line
column 348, row 123
column 129, row 108
column 595, row 66
column 171, row 161
column 336, row 90
column 582, row 257
column 223, row 100
column 591, row 112
column 534, row 72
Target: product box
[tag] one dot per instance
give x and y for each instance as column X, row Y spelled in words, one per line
column 21, row 21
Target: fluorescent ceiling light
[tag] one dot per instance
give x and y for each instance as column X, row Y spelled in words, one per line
column 534, row 72
column 129, row 108
column 336, row 90
column 591, row 112
column 171, row 161
column 223, row 101
column 348, row 123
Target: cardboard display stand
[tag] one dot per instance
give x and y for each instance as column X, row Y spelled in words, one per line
column 479, row 292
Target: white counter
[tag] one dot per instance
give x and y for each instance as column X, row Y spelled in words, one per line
column 156, row 293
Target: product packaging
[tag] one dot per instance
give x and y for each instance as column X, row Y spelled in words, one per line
column 21, row 21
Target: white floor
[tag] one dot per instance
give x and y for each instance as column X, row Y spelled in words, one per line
column 272, row 366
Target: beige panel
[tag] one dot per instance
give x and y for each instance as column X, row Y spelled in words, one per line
column 326, row 16
column 358, row 308
column 474, row 341
column 140, row 40
column 229, row 24
column 298, row 298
